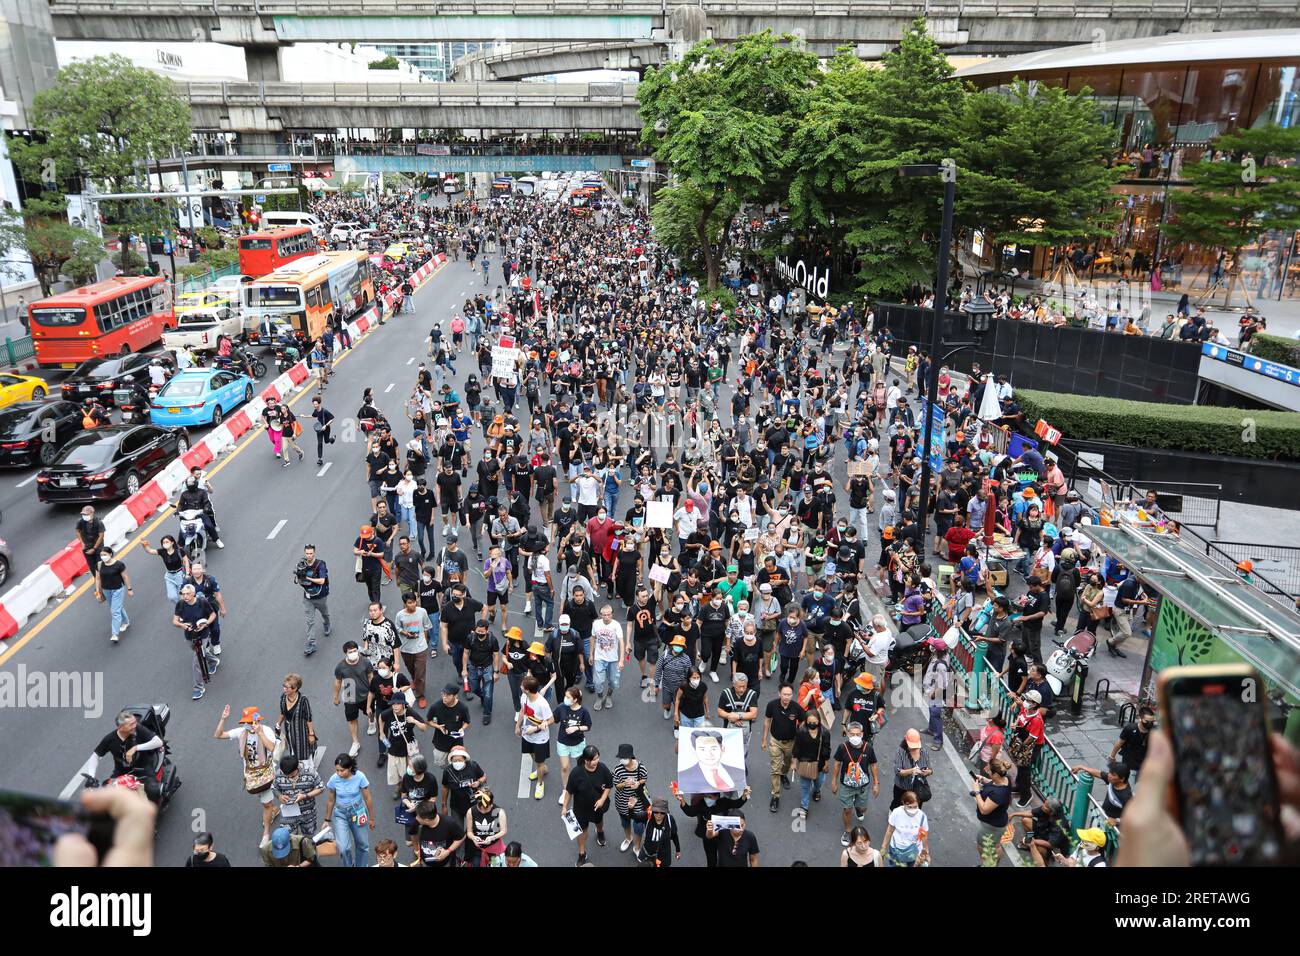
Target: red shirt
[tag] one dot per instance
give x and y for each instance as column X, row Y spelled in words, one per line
column 957, row 539
column 599, row 534
column 1032, row 724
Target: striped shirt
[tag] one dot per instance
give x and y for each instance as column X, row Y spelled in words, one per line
column 621, row 775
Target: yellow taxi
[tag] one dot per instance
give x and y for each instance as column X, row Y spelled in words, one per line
column 21, row 388
column 207, row 299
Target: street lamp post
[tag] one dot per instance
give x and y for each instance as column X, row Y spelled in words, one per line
column 947, row 171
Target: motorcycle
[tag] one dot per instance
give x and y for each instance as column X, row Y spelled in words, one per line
column 909, row 648
column 286, row 356
column 240, row 361
column 134, row 405
column 159, row 778
column 193, row 534
column 1068, row 665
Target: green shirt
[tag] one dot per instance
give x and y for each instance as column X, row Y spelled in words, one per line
column 734, row 592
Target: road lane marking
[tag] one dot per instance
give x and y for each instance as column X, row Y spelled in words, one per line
column 28, row 480
column 391, row 386
column 19, row 641
column 525, row 768
column 276, row 530
column 321, row 473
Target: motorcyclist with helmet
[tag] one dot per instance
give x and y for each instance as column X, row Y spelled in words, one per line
column 196, row 497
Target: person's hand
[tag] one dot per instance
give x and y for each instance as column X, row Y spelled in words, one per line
column 1152, row 837
column 99, row 597
column 132, row 833
column 371, row 818
column 225, row 711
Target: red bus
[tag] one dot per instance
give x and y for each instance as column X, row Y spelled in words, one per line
column 113, row 317
column 261, row 253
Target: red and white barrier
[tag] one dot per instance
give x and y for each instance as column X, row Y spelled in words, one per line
column 58, row 573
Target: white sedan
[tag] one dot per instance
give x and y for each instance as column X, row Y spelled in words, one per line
column 199, row 330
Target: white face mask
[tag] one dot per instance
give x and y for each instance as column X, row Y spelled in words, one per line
column 458, row 765
column 695, row 682
column 353, row 657
column 912, row 811
column 385, row 673
column 855, row 740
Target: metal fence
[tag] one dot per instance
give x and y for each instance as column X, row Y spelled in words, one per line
column 199, row 282
column 16, row 350
column 986, row 690
column 1279, row 563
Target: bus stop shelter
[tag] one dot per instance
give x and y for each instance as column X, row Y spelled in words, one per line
column 1209, row 615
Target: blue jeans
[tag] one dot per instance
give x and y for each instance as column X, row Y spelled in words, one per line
column 808, row 787
column 173, row 579
column 606, row 676
column 480, row 682
column 936, row 722
column 116, row 599
column 407, row 516
column 424, row 542
column 351, row 839
column 543, row 605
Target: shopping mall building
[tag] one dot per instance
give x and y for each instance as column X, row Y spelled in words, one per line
column 1168, row 98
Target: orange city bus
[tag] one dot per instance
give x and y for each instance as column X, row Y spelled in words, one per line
column 113, row 317
column 263, row 252
column 309, row 294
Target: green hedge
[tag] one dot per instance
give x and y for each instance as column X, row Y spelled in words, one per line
column 1199, row 428
column 1274, row 348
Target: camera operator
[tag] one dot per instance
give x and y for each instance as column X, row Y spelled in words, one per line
column 312, row 575
column 194, row 615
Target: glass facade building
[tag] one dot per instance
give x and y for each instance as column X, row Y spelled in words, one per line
column 434, row 60
column 1167, row 99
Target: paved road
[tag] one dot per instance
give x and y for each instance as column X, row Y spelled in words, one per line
column 267, row 514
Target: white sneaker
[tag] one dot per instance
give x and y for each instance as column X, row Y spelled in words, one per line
column 220, row 543
column 112, row 638
column 528, row 605
column 354, row 749
column 370, row 730
column 667, row 714
column 623, row 847
column 216, row 650
column 125, row 625
column 713, row 676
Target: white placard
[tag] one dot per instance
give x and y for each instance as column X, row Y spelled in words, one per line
column 503, row 362
column 659, row 514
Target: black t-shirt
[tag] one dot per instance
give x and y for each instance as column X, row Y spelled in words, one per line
column 440, row 836
column 459, row 785
column 1133, row 750
column 785, row 720
column 545, row 478
column 586, row 786
column 115, row 745
column 418, row 791
column 218, row 860
column 448, row 483
column 454, row 719
column 481, row 651
column 1037, row 603
column 460, row 621
column 110, row 574
column 999, row 793
column 398, row 732
column 736, row 852
column 89, row 531
column 582, row 616
column 855, row 763
column 191, row 614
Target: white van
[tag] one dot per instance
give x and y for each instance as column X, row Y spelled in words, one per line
column 294, row 218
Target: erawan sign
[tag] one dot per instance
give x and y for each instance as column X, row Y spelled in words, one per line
column 816, row 282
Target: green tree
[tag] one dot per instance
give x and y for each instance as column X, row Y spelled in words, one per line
column 1230, row 204
column 389, row 62
column 104, row 121
column 860, row 126
column 677, row 223
column 720, row 118
column 54, row 245
column 1032, row 166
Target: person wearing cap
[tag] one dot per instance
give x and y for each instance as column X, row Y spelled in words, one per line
column 1028, row 727
column 661, row 843
column 449, row 718
column 587, row 792
column 1091, row 850
column 768, row 613
column 369, row 560
column 256, row 747
column 672, row 672
column 287, row 849
column 912, row 770
column 90, row 531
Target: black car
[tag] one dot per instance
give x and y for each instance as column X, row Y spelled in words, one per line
column 109, row 462
column 97, row 378
column 32, row 433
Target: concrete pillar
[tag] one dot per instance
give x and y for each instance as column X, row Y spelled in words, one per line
column 28, row 62
column 261, row 143
column 263, row 64
column 687, row 25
